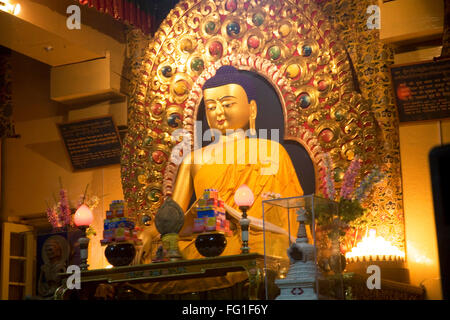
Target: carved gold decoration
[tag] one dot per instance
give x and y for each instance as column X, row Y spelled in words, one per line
column 371, row 58
column 294, row 47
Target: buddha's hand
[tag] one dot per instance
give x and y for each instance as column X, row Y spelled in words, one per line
column 255, row 223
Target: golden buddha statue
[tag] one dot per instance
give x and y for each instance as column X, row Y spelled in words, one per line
column 236, row 157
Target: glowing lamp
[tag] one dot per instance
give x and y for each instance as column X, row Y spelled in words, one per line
column 244, row 196
column 244, row 199
column 83, row 216
column 374, row 247
column 10, row 8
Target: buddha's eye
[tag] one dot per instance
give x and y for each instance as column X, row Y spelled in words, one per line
column 227, row 104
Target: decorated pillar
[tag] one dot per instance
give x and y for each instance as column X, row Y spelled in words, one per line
column 371, row 59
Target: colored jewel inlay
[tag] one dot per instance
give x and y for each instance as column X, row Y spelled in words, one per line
column 274, row 52
column 180, row 88
column 258, row 19
column 326, row 135
column 197, row 64
column 174, row 120
column 285, row 29
column 215, row 49
column 253, row 42
column 292, row 71
column 148, row 141
column 158, row 157
column 166, row 71
column 233, row 29
column 322, row 85
column 338, row 115
column 209, row 27
column 307, row 50
column 231, row 5
column 305, row 100
column 186, row 45
column 156, row 109
column 154, row 195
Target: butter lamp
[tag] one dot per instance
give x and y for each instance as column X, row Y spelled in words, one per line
column 83, row 218
column 244, row 199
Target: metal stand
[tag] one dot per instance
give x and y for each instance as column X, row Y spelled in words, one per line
column 84, row 244
column 245, row 223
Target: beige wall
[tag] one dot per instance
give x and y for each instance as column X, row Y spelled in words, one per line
column 36, row 160
column 99, row 34
column 411, row 19
column 416, row 141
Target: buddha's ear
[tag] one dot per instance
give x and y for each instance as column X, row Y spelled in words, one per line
column 253, row 109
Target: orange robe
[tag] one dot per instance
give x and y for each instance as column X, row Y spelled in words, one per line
column 227, row 178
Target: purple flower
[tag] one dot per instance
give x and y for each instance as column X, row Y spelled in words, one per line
column 368, row 181
column 329, row 190
column 64, row 208
column 349, row 179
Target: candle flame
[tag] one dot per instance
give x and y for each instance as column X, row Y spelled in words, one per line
column 375, row 247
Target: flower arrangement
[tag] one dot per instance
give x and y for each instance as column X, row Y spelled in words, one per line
column 335, row 222
column 60, row 214
column 350, row 197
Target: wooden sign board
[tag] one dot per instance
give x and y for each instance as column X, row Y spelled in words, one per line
column 91, row 143
column 422, row 90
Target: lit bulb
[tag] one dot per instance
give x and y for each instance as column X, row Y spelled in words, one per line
column 83, row 216
column 8, row 7
column 16, row 9
column 244, row 196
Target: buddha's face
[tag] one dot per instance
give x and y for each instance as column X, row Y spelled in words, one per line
column 227, row 107
column 53, row 250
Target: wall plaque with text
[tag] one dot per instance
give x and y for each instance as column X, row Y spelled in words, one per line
column 91, row 143
column 422, row 90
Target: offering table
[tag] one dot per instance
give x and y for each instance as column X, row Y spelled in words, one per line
column 92, row 281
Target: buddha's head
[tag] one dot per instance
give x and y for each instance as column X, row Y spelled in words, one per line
column 229, row 98
column 53, row 249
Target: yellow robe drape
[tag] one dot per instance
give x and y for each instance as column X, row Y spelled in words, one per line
column 227, row 178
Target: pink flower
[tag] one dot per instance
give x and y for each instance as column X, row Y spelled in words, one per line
column 349, row 179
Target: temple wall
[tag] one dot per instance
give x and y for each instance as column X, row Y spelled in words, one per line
column 416, row 141
column 35, row 161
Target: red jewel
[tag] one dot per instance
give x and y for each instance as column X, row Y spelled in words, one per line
column 326, row 135
column 231, row 5
column 156, row 109
column 158, row 157
column 216, row 48
column 253, row 42
column 322, row 85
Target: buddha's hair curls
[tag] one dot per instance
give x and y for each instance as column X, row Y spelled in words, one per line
column 229, row 74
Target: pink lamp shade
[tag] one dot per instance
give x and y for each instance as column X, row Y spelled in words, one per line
column 244, row 196
column 83, row 216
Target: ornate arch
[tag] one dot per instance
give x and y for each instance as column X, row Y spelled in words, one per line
column 270, row 72
column 290, row 43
